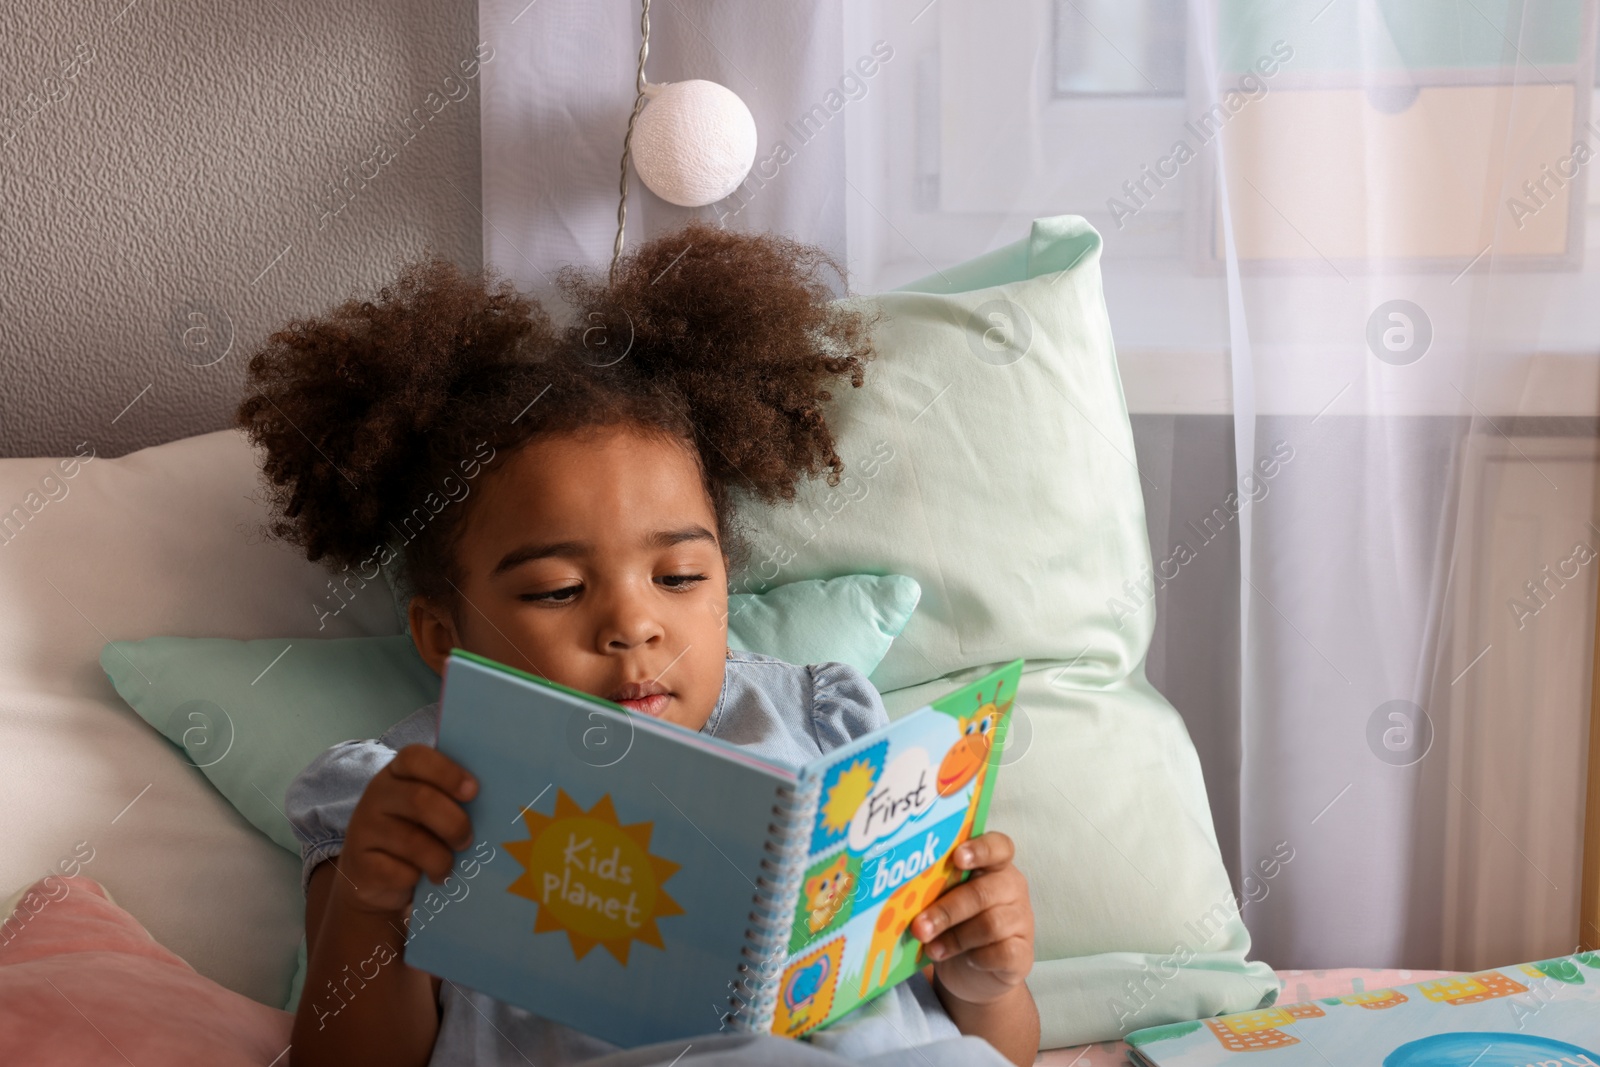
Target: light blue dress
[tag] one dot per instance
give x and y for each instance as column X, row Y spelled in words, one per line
column 780, row 711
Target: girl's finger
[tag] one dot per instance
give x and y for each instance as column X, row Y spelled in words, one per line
column 417, row 846
column 992, row 849
column 961, row 903
column 985, row 928
column 423, row 804
column 423, row 763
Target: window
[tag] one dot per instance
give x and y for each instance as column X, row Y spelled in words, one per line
column 1119, row 48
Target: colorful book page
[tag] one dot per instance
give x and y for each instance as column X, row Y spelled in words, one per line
column 893, row 808
column 1544, row 1014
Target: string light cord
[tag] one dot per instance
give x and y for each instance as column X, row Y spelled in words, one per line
column 627, row 139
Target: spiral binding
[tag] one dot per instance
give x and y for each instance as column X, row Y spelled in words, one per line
column 753, row 992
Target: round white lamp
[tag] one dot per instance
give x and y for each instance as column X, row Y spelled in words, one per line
column 694, row 141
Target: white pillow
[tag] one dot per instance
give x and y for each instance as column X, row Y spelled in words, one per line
column 163, row 541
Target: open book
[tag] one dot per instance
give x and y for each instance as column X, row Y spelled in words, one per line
column 643, row 882
column 1544, row 1014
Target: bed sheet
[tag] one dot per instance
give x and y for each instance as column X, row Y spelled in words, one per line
column 1294, row 987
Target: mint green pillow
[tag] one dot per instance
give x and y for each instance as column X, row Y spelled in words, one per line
column 252, row 714
column 851, row 620
column 989, row 457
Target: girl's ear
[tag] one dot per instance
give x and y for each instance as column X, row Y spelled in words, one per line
column 433, row 631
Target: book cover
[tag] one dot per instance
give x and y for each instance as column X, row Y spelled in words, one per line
column 615, row 863
column 643, row 882
column 892, row 808
column 1544, row 1014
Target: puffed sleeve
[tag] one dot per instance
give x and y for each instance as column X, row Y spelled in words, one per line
column 321, row 799
column 844, row 704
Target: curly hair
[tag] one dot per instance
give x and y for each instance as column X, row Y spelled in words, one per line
column 369, row 414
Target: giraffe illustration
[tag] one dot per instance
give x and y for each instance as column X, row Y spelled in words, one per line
column 966, row 761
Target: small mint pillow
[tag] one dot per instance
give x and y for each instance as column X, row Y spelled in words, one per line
column 851, row 620
column 252, row 714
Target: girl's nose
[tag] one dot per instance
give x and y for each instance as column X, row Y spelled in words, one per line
column 629, row 624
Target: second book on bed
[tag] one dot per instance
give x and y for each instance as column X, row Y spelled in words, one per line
column 642, row 882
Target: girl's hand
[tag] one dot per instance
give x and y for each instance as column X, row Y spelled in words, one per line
column 409, row 821
column 980, row 933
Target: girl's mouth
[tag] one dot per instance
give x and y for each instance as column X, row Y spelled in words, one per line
column 653, row 705
column 647, row 698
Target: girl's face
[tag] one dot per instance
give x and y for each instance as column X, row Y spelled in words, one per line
column 592, row 559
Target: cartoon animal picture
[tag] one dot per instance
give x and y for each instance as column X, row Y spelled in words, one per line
column 966, row 761
column 828, row 891
column 903, row 905
column 805, row 992
column 805, row 984
column 970, row 753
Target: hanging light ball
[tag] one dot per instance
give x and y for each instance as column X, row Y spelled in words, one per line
column 694, row 142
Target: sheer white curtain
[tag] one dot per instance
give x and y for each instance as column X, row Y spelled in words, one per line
column 1350, row 264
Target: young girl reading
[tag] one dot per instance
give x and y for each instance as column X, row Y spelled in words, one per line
column 564, row 501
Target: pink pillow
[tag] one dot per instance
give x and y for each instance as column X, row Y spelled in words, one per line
column 83, row 984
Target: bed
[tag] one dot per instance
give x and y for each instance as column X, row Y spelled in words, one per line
column 217, row 903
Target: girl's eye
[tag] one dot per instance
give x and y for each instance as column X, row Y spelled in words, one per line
column 554, row 596
column 566, row 593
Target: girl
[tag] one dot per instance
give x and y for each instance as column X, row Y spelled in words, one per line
column 564, row 502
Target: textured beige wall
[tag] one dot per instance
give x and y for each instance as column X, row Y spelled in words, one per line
column 169, row 174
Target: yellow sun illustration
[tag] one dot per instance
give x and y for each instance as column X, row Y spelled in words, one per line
column 846, row 795
column 593, row 877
